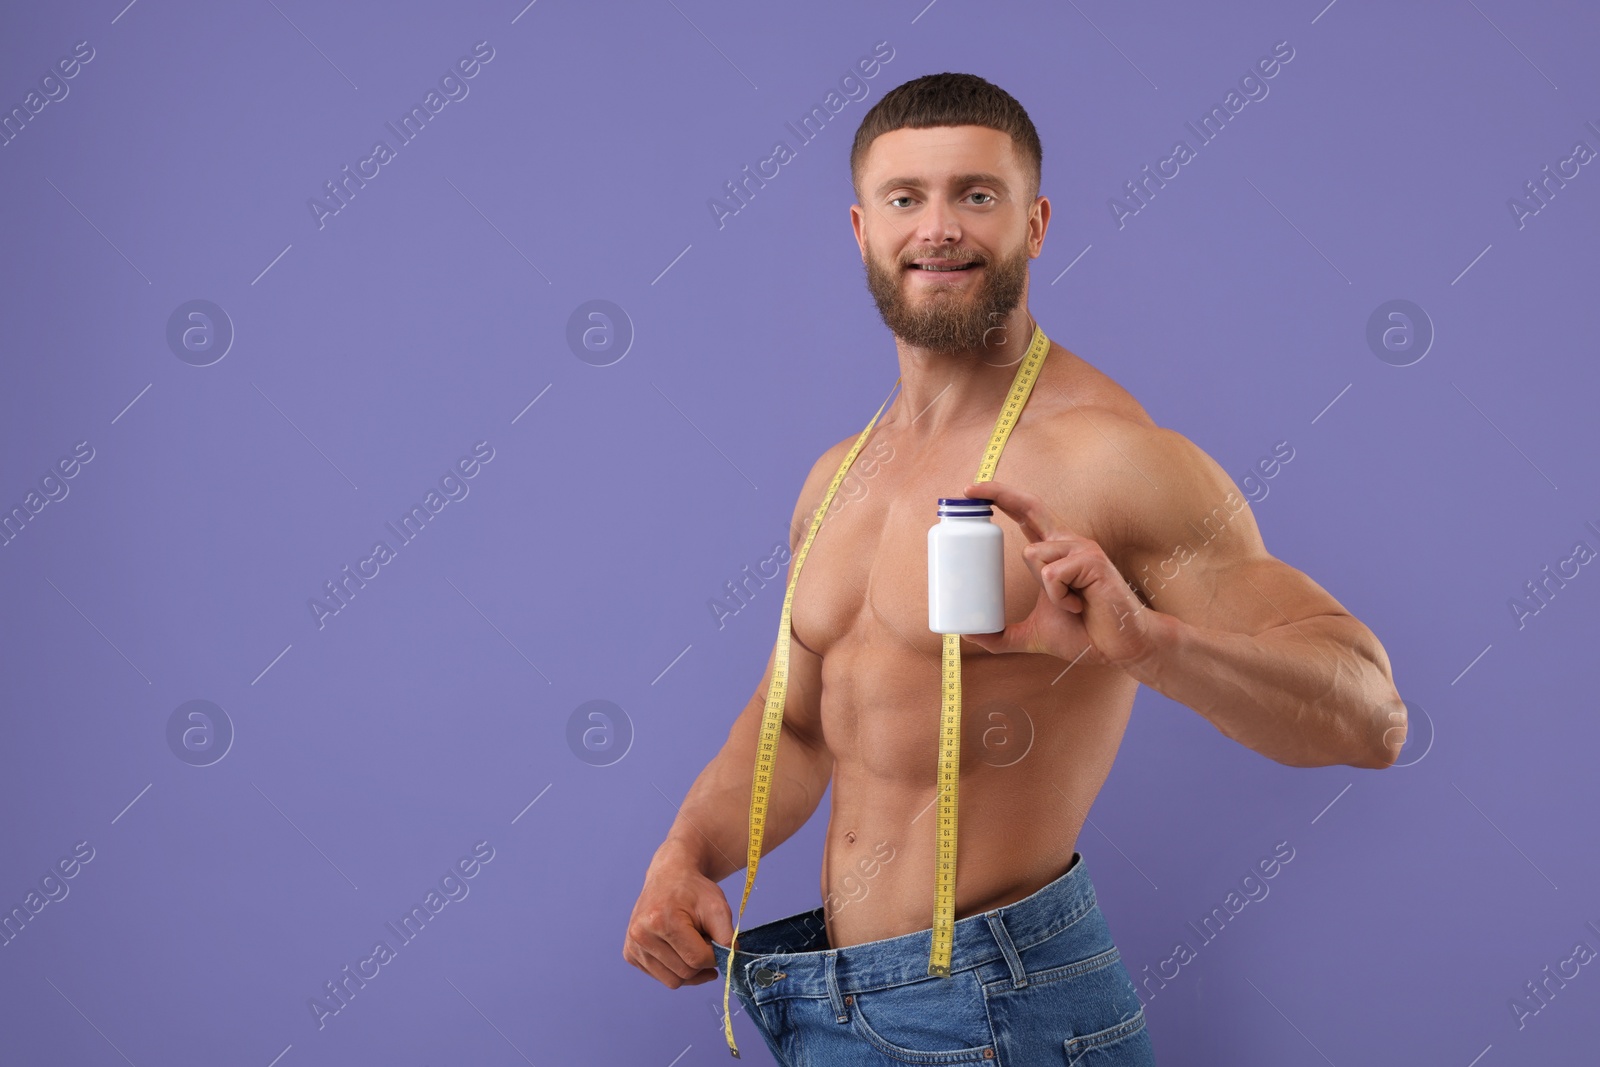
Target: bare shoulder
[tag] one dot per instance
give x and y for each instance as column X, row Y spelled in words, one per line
column 1077, row 386
column 1087, row 423
column 1143, row 483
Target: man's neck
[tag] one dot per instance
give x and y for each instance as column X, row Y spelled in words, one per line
column 944, row 391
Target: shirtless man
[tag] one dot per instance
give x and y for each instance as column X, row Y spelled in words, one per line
column 1130, row 558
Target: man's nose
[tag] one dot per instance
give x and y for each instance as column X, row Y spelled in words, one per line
column 939, row 224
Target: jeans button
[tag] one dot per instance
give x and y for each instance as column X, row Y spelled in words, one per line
column 765, row 976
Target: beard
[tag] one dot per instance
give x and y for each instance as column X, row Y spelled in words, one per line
column 949, row 319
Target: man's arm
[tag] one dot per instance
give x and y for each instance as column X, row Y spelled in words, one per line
column 1256, row 646
column 713, row 825
column 681, row 904
column 712, row 829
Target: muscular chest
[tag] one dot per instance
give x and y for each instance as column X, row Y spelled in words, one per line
column 864, row 587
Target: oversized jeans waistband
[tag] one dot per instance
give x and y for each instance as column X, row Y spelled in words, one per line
column 979, row 939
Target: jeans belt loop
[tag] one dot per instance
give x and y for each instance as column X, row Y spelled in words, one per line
column 997, row 926
column 839, row 1011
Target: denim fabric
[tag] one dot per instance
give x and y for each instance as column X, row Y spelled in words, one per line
column 1034, row 983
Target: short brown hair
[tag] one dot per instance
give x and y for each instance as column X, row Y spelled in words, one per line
column 949, row 99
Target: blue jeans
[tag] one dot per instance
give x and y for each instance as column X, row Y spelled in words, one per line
column 1034, row 983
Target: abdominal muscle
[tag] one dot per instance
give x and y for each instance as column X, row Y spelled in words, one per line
column 1033, row 756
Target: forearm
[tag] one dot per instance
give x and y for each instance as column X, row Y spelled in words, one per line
column 1307, row 694
column 712, row 829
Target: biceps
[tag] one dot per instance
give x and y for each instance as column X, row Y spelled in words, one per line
column 1237, row 595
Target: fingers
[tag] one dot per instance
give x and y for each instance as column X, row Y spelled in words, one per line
column 666, row 941
column 667, row 975
column 1037, row 521
column 659, row 959
column 649, row 964
column 690, row 947
column 716, row 917
column 1060, row 581
column 1041, row 554
column 1062, row 568
column 1024, row 508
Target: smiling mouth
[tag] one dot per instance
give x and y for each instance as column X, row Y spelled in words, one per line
column 942, row 269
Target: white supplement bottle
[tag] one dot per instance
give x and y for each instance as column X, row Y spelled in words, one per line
column 966, row 569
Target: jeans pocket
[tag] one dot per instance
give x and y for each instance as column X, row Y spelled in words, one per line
column 936, row 1020
column 1088, row 1008
column 1127, row 1044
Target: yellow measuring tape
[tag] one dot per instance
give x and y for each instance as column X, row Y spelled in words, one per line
column 944, row 894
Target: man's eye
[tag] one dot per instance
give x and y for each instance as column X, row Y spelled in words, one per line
column 984, row 194
column 900, row 198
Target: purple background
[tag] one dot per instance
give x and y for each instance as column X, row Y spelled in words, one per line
column 372, row 353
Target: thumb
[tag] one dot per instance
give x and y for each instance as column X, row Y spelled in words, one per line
column 1000, row 642
column 716, row 917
